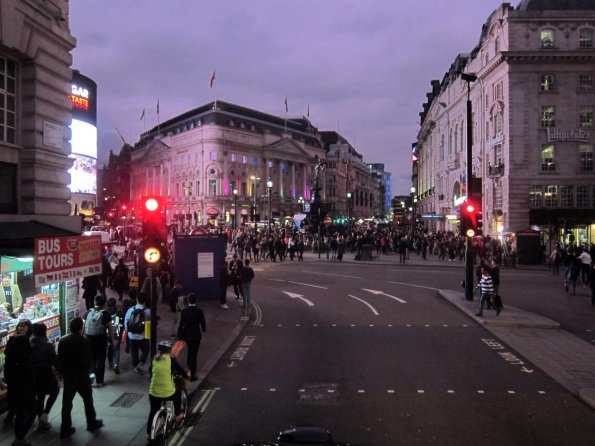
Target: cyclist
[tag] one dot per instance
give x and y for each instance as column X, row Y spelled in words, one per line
column 162, row 387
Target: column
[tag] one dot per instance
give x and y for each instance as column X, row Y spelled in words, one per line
column 293, row 191
column 280, row 180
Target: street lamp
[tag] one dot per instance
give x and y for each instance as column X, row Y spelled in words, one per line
column 301, row 203
column 348, row 211
column 413, row 219
column 255, row 179
column 270, row 190
column 235, row 209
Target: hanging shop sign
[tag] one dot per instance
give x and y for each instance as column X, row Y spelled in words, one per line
column 57, row 259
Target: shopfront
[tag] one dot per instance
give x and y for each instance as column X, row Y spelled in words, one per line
column 42, row 286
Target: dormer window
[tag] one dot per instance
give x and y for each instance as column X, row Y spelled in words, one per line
column 547, row 38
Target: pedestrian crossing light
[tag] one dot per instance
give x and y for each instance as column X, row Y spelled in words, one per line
column 469, row 220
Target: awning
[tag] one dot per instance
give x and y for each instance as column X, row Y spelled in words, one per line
column 16, row 238
column 212, row 212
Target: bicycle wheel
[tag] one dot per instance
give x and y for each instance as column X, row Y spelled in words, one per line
column 183, row 408
column 159, row 426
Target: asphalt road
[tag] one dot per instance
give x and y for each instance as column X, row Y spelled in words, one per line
column 377, row 356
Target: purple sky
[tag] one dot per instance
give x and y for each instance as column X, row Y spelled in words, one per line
column 363, row 66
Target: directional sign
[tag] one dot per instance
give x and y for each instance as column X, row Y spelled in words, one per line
column 384, row 294
column 299, row 296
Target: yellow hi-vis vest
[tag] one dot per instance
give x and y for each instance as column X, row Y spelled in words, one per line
column 162, row 379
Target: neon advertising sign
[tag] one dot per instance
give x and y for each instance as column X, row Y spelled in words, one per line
column 79, row 97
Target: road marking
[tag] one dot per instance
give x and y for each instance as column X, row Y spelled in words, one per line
column 420, row 271
column 307, row 284
column 384, row 294
column 417, row 286
column 333, row 275
column 367, row 304
column 201, row 407
column 299, row 296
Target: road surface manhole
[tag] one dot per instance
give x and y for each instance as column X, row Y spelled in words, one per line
column 127, row 399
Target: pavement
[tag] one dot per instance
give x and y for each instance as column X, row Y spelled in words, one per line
column 123, row 402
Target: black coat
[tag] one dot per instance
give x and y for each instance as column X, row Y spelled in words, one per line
column 75, row 356
column 192, row 324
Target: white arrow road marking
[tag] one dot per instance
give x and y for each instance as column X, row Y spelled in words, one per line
column 526, row 370
column 410, row 284
column 307, row 284
column 384, row 294
column 299, row 296
column 366, row 303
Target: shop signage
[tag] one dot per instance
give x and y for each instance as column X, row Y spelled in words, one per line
column 580, row 135
column 79, row 97
column 57, row 259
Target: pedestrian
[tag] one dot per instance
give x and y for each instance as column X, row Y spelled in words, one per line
column 134, row 322
column 585, row 259
column 224, row 281
column 192, row 325
column 486, row 288
column 10, row 296
column 92, row 286
column 234, row 267
column 19, row 376
column 113, row 348
column 99, row 332
column 592, row 284
column 162, row 387
column 174, row 295
column 120, row 278
column 246, row 276
column 573, row 270
column 45, row 362
column 555, row 258
column 76, row 359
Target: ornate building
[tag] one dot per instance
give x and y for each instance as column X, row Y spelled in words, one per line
column 35, row 112
column 532, row 117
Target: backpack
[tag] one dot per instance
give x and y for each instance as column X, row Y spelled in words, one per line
column 136, row 323
column 94, row 323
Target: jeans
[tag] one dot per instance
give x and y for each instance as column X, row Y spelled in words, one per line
column 99, row 349
column 484, row 297
column 113, row 351
column 135, row 346
column 246, row 294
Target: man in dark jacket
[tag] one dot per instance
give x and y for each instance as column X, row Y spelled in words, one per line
column 76, row 359
column 192, row 325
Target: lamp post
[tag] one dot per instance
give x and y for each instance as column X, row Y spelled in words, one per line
column 235, row 209
column 301, row 203
column 270, row 192
column 469, row 77
column 348, row 211
column 255, row 179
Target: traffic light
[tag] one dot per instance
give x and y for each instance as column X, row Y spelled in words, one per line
column 468, row 219
column 154, row 230
column 479, row 222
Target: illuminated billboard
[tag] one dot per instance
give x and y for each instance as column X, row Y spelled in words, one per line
column 83, row 143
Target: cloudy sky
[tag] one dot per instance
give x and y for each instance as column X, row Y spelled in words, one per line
column 363, row 66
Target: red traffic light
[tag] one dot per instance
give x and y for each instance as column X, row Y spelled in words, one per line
column 470, row 208
column 151, row 204
column 123, row 207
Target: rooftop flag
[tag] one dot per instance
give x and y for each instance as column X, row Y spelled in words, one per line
column 286, row 107
column 212, row 79
column 142, row 115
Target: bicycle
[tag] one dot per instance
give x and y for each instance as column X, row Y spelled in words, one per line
column 164, row 421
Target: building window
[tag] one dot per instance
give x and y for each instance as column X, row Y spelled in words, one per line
column 547, row 38
column 567, row 196
column 498, row 154
column 548, row 82
column 442, row 149
column 8, row 191
column 551, row 196
column 585, row 38
column 234, row 157
column 499, row 122
column 498, row 200
column 212, row 187
column 585, row 81
column 213, row 156
column 244, row 159
column 548, row 116
column 547, row 158
column 585, row 157
column 197, row 187
column 497, row 45
column 255, row 161
column 586, row 117
column 536, row 196
column 498, row 91
column 582, row 197
column 269, row 164
column 7, row 100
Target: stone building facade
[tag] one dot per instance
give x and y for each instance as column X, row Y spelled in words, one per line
column 532, row 124
column 35, row 77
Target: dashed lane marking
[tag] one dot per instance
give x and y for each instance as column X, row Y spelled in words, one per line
column 390, row 391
